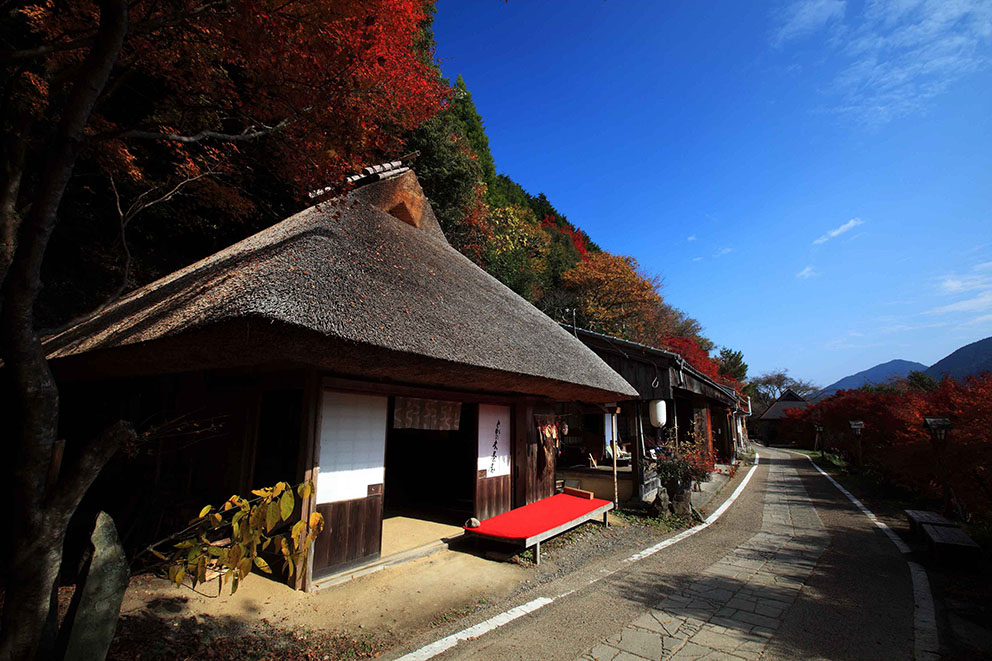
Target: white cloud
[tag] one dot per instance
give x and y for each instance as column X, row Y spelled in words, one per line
column 804, row 17
column 723, row 251
column 807, row 273
column 691, row 237
column 979, row 303
column 846, row 227
column 894, row 56
column 903, row 328
column 977, row 321
column 977, row 285
column 987, row 266
column 697, row 259
column 956, row 284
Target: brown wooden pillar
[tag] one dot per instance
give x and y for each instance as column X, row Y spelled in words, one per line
column 637, row 452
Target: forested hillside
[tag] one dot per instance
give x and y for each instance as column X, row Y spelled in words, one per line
column 180, row 180
column 527, row 243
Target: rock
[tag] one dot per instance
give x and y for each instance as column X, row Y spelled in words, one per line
column 683, row 504
column 661, row 504
column 90, row 624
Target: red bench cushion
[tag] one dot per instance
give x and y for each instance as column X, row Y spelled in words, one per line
column 538, row 517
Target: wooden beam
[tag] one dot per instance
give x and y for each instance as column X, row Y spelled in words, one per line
column 353, row 385
column 312, row 396
column 579, row 493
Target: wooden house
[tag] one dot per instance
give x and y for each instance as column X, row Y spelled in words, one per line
column 694, row 405
column 349, row 345
column 767, row 427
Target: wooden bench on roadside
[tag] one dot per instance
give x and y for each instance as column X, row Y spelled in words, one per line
column 918, row 518
column 531, row 524
column 949, row 541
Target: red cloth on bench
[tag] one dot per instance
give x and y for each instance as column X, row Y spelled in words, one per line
column 538, row 517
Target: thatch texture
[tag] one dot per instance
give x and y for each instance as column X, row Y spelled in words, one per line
column 345, row 287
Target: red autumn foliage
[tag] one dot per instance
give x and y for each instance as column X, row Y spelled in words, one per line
column 689, row 349
column 328, row 85
column 896, row 443
column 576, row 236
column 476, row 229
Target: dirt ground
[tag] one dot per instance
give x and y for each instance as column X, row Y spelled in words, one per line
column 356, row 619
column 398, row 599
column 364, row 616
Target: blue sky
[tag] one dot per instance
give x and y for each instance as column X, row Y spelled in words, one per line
column 811, row 178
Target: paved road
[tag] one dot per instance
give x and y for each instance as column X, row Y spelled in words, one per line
column 791, row 570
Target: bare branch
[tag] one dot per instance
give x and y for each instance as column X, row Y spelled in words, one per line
column 124, row 219
column 88, row 464
column 251, row 133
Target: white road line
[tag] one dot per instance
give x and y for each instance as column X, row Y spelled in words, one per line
column 651, row 550
column 435, row 648
column 926, row 641
column 926, row 644
column 495, row 622
column 901, row 545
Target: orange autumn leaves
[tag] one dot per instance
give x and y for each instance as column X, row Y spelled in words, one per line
column 612, row 296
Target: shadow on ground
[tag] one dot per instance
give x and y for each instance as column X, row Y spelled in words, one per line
column 162, row 631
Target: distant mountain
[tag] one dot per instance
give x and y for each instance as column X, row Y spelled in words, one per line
column 874, row 376
column 969, row 359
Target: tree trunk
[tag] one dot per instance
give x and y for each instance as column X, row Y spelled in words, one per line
column 10, row 187
column 37, row 549
column 41, row 515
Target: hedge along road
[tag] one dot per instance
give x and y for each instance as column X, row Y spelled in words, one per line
column 854, row 601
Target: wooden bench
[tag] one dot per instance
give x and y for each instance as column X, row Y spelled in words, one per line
column 531, row 524
column 918, row 518
column 946, row 541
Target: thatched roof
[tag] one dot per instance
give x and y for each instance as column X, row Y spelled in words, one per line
column 346, row 287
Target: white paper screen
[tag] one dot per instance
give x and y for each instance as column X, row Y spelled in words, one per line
column 352, row 445
column 494, row 439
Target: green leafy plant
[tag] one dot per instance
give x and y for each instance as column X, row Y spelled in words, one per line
column 226, row 542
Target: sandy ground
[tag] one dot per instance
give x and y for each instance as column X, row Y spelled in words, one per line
column 397, row 600
column 391, row 606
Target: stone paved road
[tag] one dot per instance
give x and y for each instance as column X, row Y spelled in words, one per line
column 740, row 601
column 792, row 570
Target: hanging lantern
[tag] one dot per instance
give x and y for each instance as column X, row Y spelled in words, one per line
column 658, row 412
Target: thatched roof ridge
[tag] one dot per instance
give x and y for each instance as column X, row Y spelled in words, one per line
column 349, row 271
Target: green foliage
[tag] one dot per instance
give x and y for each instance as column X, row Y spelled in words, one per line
column 228, row 541
column 921, row 381
column 517, row 250
column 732, row 364
column 527, row 243
column 448, row 172
column 663, row 522
column 463, row 109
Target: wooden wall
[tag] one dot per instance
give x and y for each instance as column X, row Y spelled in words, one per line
column 533, row 467
column 493, row 495
column 352, row 534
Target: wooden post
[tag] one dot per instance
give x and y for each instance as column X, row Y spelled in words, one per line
column 310, row 465
column 616, row 490
column 637, row 456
